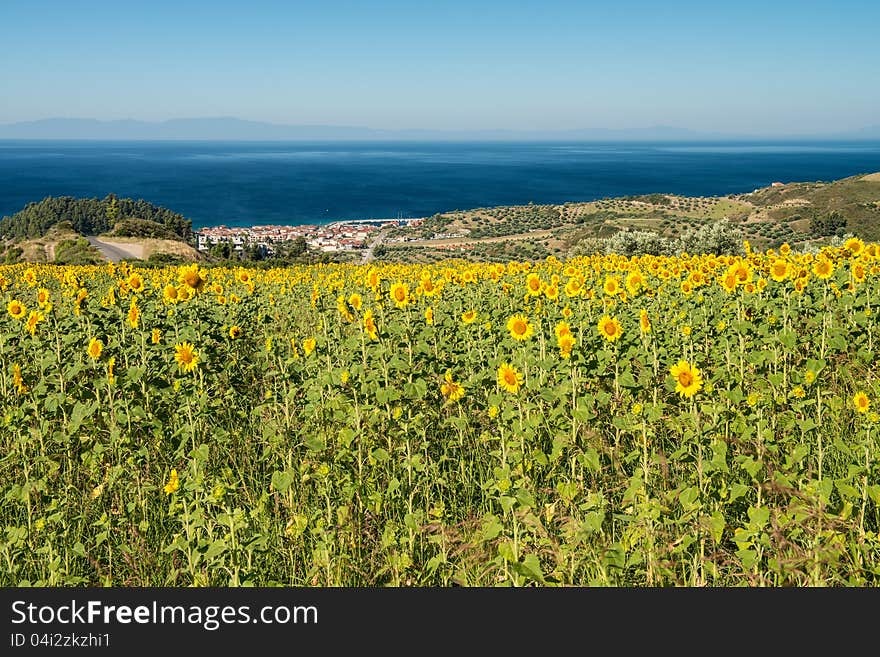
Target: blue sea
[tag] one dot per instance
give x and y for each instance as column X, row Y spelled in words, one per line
column 243, row 183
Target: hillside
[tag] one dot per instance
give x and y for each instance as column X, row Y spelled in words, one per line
column 92, row 216
column 797, row 213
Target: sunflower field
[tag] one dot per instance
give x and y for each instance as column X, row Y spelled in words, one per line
column 603, row 421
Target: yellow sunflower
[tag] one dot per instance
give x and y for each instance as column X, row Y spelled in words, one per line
column 191, row 277
column 34, row 318
column 173, row 483
column 534, row 286
column 451, row 390
column 186, row 356
column 609, row 328
column 17, row 380
column 644, row 321
column 861, row 402
column 688, row 379
column 562, row 328
column 400, row 294
column 823, row 268
column 519, row 328
column 95, row 348
column 612, row 286
column 566, row 344
column 16, row 309
column 370, row 325
column 170, row 294
column 469, row 317
column 234, row 332
column 509, row 378
column 309, row 345
column 779, row 270
column 134, row 313
column 135, row 282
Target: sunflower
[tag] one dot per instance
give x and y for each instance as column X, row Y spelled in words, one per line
column 566, row 344
column 469, row 317
column 134, row 313
column 95, row 348
column 429, row 315
column 728, row 281
column 234, row 332
column 779, row 270
column 156, row 336
column 562, row 328
column 429, row 287
column 42, row 297
column 135, row 282
column 169, row 294
column 688, row 379
column 370, row 325
column 519, row 328
column 573, row 288
column 634, row 281
column 612, row 286
column 552, row 292
column 451, row 390
column 16, row 309
column 509, row 378
column 861, row 402
column 309, row 345
column 355, row 300
column 191, row 277
column 644, row 322
column 823, row 268
column 859, row 272
column 534, row 286
column 17, row 380
column 186, row 356
column 34, row 318
column 173, row 483
column 854, row 245
column 609, row 328
column 400, row 294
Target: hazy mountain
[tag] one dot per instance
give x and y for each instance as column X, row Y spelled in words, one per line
column 242, row 130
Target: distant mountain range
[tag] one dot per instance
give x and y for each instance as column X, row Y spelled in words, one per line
column 242, row 130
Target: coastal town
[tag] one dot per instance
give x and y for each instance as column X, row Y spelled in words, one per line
column 336, row 236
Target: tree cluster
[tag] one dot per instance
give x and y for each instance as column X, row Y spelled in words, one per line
column 90, row 216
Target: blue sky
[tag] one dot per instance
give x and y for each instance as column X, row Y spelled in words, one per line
column 749, row 67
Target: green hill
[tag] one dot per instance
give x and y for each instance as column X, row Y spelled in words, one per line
column 93, row 216
column 798, row 213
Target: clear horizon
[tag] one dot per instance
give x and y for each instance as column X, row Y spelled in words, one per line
column 750, row 69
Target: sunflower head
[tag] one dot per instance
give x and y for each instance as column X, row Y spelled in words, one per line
column 609, row 328
column 185, row 356
column 16, row 309
column 520, row 328
column 509, row 378
column 95, row 348
column 687, row 377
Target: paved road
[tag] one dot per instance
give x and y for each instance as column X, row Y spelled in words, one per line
column 368, row 254
column 112, row 253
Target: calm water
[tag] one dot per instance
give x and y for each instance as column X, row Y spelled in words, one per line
column 236, row 183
